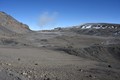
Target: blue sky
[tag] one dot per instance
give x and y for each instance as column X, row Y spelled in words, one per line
column 47, row 14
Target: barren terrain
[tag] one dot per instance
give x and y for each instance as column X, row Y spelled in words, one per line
column 55, row 56
column 59, row 54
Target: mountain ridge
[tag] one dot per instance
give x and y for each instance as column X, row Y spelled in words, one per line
column 8, row 24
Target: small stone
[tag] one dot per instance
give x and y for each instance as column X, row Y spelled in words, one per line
column 24, row 73
column 18, row 78
column 10, row 74
column 36, row 63
column 30, row 71
column 46, row 78
column 29, row 76
column 18, row 59
column 80, row 70
column 90, row 76
column 109, row 66
column 8, row 64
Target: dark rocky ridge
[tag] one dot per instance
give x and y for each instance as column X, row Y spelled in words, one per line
column 98, row 29
column 100, row 26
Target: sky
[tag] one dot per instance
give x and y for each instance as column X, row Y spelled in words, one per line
column 48, row 14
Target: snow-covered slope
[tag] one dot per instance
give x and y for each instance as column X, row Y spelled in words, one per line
column 100, row 26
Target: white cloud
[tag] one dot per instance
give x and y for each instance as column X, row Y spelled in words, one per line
column 47, row 19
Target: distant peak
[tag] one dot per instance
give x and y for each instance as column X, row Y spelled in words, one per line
column 100, row 26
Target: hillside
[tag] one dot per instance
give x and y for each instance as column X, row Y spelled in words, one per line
column 9, row 25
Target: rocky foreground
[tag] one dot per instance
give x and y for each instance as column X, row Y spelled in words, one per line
column 56, row 56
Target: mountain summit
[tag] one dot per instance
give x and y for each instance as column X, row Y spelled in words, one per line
column 100, row 26
column 10, row 25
